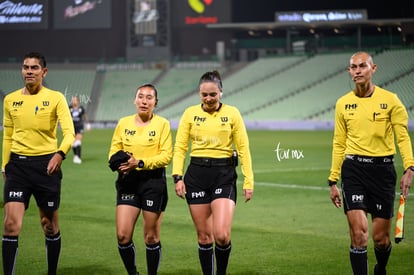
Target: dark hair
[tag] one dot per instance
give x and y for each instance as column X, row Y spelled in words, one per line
column 212, row 76
column 149, row 85
column 37, row 55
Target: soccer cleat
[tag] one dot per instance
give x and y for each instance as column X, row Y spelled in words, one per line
column 77, row 160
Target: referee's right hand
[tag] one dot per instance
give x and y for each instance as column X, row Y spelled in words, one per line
column 406, row 181
column 335, row 196
column 180, row 189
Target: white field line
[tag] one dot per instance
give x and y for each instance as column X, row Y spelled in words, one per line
column 303, row 187
column 284, row 185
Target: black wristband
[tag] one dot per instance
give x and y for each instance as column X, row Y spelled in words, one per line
column 409, row 168
column 177, row 178
column 330, row 183
column 63, row 155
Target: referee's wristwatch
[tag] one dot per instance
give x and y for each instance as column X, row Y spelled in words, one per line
column 330, row 183
column 411, row 168
column 177, row 178
column 140, row 163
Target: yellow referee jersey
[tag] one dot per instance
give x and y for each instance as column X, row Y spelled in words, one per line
column 151, row 143
column 30, row 123
column 213, row 136
column 366, row 126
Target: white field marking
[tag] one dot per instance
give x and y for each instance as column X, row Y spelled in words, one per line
column 295, row 186
column 284, row 185
column 276, row 170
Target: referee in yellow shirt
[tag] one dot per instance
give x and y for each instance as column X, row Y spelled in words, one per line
column 209, row 184
column 368, row 120
column 141, row 184
column 32, row 159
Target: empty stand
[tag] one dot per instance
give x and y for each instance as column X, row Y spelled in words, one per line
column 118, row 92
column 296, row 87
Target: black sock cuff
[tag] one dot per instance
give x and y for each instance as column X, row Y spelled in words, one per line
column 386, row 249
column 207, row 246
column 55, row 237
column 10, row 238
column 224, row 247
column 126, row 246
column 358, row 250
column 154, row 246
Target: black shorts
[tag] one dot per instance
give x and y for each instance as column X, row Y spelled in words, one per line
column 369, row 184
column 27, row 176
column 79, row 129
column 206, row 181
column 146, row 189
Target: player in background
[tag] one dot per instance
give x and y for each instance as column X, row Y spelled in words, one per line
column 368, row 122
column 79, row 118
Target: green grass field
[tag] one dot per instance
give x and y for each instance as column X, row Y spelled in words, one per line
column 289, row 227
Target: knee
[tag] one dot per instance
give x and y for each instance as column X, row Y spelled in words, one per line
column 122, row 238
column 359, row 238
column 151, row 236
column 222, row 239
column 222, row 242
column 49, row 228
column 381, row 241
column 11, row 227
column 151, row 239
column 205, row 238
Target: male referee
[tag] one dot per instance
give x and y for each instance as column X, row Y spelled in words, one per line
column 32, row 159
column 368, row 122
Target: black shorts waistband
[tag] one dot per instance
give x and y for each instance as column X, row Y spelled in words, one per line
column 135, row 175
column 209, row 162
column 14, row 156
column 371, row 160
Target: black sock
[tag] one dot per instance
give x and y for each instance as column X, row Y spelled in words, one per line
column 53, row 245
column 127, row 253
column 78, row 151
column 382, row 256
column 359, row 260
column 153, row 252
column 222, row 258
column 205, row 254
column 9, row 249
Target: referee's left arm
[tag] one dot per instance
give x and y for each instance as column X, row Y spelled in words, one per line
column 7, row 143
column 66, row 124
column 7, row 136
column 338, row 144
column 241, row 141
